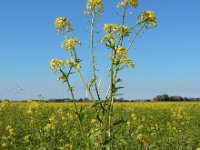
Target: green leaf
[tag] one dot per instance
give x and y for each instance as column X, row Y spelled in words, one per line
column 92, row 82
column 118, row 80
column 81, row 114
column 118, row 94
column 98, row 118
column 97, row 103
column 119, row 122
column 95, row 134
column 119, row 87
column 121, row 139
column 107, row 141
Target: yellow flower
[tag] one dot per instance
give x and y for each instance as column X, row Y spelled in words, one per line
column 128, row 123
column 68, row 146
column 148, row 17
column 56, row 64
column 70, row 43
column 92, row 121
column 134, row 117
column 27, row 138
column 52, row 118
column 140, row 138
column 95, row 5
column 140, row 127
column 110, row 37
column 121, row 51
column 124, row 30
column 110, row 27
column 4, row 144
column 128, row 63
column 49, row 126
column 74, row 64
column 62, row 24
column 133, row 3
column 10, row 130
column 29, row 111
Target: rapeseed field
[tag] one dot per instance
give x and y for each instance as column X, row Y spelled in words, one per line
column 140, row 125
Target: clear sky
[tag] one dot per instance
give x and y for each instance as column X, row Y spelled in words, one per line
column 166, row 57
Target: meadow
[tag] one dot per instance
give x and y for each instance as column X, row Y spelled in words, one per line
column 139, row 126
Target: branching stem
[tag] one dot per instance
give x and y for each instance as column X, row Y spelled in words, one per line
column 86, row 85
column 75, row 106
column 92, row 53
column 135, row 36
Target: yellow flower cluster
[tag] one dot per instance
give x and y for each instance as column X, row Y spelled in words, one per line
column 108, row 28
column 110, row 37
column 8, row 140
column 49, row 126
column 63, row 24
column 74, row 64
column 128, row 62
column 149, row 18
column 140, row 138
column 133, row 3
column 125, row 30
column 70, row 43
column 121, row 51
column 57, row 64
column 94, row 5
column 27, row 138
column 10, row 130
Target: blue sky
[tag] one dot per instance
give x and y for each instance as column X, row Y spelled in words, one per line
column 166, row 57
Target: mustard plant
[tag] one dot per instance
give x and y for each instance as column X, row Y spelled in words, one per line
column 115, row 39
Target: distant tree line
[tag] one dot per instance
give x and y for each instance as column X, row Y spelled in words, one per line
column 166, row 97
column 159, row 98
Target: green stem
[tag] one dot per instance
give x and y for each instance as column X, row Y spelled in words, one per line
column 92, row 52
column 81, row 76
column 123, row 22
column 135, row 36
column 111, row 96
column 137, row 24
column 112, row 78
column 75, row 106
column 85, row 84
column 69, row 86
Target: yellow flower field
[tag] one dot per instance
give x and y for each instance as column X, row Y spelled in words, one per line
column 145, row 125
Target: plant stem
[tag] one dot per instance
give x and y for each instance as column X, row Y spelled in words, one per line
column 137, row 24
column 75, row 106
column 68, row 84
column 135, row 36
column 112, row 78
column 81, row 76
column 85, row 84
column 111, row 98
column 123, row 21
column 92, row 53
